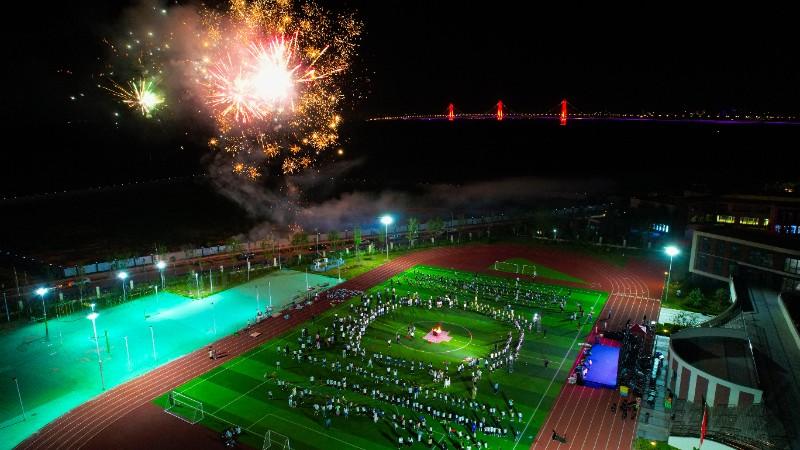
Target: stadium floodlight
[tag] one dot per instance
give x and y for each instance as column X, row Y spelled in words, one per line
column 40, row 292
column 671, row 251
column 161, row 265
column 93, row 318
column 387, row 220
column 123, row 276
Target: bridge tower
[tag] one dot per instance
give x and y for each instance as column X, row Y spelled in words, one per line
column 451, row 114
column 563, row 117
column 500, row 110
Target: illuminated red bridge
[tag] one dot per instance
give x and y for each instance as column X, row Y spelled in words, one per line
column 565, row 111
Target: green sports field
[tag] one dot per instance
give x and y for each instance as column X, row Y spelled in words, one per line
column 514, row 265
column 238, row 392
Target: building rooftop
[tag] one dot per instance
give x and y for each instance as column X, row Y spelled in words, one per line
column 725, row 357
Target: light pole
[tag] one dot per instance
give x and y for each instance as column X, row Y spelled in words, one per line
column 153, row 340
column 93, row 318
column 555, row 231
column 197, row 283
column 161, row 265
column 214, row 316
column 5, row 301
column 40, row 292
column 16, row 382
column 671, row 251
column 386, row 221
column 123, row 276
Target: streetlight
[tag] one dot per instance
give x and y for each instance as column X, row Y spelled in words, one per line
column 197, row 283
column 40, row 292
column 93, row 305
column 671, row 251
column 19, row 394
column 93, row 318
column 555, row 230
column 161, row 265
column 123, row 276
column 386, row 221
column 153, row 341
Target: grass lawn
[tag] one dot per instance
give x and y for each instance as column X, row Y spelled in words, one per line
column 237, row 391
column 516, row 264
column 706, row 301
column 355, row 266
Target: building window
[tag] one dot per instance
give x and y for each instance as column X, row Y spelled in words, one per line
column 705, row 244
column 749, row 221
column 759, row 258
column 718, row 266
column 702, row 261
column 725, row 219
column 792, row 265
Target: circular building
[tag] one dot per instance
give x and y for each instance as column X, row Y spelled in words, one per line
column 715, row 363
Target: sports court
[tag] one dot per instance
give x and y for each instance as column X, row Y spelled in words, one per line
column 62, row 372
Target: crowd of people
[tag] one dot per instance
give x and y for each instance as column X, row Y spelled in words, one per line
column 416, row 398
column 354, row 373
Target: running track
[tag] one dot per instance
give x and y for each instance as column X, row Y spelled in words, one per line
column 579, row 413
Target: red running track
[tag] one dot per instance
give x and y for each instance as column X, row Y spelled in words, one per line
column 97, row 424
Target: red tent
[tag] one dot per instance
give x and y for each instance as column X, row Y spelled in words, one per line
column 638, row 329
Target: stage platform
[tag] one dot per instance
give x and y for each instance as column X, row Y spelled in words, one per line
column 603, row 371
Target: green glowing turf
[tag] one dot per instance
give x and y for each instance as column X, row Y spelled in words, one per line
column 236, row 392
column 61, row 373
column 541, row 271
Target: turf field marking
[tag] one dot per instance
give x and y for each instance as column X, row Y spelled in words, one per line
column 446, row 351
column 240, row 396
column 241, row 359
column 315, row 431
column 516, row 442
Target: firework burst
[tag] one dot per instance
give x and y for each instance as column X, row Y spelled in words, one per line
column 267, row 72
column 140, row 95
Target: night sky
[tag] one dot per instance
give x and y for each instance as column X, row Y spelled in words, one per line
column 415, row 57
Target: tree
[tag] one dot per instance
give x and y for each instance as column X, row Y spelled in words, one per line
column 299, row 238
column 333, row 238
column 357, row 240
column 695, row 298
column 235, row 245
column 435, row 226
column 412, row 230
column 722, row 296
column 266, row 246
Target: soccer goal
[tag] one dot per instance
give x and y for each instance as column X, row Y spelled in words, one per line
column 275, row 440
column 503, row 266
column 184, row 407
column 528, row 269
